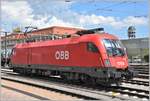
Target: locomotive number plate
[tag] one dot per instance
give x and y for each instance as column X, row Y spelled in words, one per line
column 121, row 63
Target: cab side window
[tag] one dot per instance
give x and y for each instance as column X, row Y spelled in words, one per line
column 91, row 47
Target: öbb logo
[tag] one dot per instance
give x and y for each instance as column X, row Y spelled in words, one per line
column 62, row 55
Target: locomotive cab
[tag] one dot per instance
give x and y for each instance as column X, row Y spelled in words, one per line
column 112, row 53
column 116, row 53
column 116, row 58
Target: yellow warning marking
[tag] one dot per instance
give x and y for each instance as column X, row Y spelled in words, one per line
column 114, row 94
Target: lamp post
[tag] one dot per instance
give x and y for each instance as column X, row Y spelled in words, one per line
column 5, row 48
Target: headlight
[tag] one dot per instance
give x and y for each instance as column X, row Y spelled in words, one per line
column 107, row 63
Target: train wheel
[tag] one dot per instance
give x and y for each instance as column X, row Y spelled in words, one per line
column 63, row 77
column 91, row 81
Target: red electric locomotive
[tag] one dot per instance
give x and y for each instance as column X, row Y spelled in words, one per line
column 93, row 56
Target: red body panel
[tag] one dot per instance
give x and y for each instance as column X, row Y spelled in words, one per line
column 75, row 50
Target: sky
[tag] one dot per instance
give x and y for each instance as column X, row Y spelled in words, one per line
column 115, row 16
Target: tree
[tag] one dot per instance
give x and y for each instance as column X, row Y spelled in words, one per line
column 146, row 58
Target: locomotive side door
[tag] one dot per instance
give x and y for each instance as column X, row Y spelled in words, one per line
column 29, row 58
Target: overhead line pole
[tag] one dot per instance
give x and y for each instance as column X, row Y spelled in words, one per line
column 5, row 47
column 26, row 31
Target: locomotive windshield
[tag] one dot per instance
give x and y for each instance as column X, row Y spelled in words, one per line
column 114, row 47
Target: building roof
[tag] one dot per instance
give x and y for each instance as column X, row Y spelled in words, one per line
column 145, row 38
column 56, row 30
column 49, row 30
column 59, row 27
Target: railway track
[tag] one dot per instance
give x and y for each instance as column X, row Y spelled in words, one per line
column 43, row 87
column 69, row 90
column 143, row 71
column 132, row 91
column 116, row 91
column 144, row 76
column 138, row 81
column 139, row 64
column 34, row 91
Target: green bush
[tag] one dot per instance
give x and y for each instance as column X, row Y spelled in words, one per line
column 146, row 58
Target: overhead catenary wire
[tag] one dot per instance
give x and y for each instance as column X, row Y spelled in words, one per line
column 109, row 8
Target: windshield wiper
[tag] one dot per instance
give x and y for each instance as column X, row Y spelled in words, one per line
column 114, row 51
column 118, row 51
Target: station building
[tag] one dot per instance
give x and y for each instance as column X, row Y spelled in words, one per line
column 137, row 49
